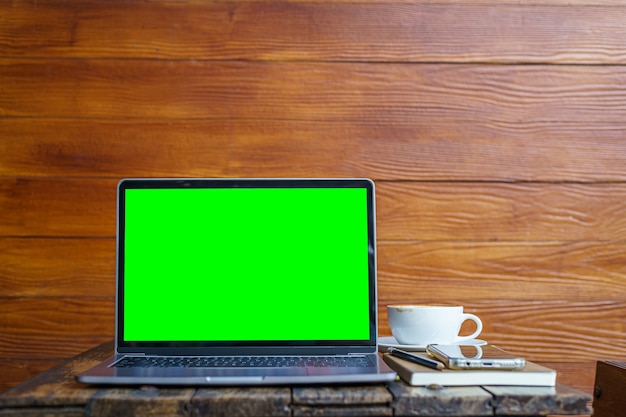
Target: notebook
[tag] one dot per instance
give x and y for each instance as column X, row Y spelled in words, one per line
column 245, row 282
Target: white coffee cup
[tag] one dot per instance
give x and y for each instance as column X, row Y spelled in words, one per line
column 425, row 324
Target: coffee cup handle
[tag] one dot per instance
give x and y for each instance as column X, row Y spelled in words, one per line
column 479, row 328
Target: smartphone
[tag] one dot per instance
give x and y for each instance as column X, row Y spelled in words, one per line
column 475, row 357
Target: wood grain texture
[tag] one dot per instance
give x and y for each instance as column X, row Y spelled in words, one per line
column 434, row 402
column 15, row 371
column 59, row 387
column 374, row 31
column 242, row 402
column 83, row 207
column 56, row 391
column 501, row 211
column 342, row 411
column 578, row 375
column 412, row 149
column 541, row 330
column 345, row 92
column 576, row 271
column 56, row 207
column 141, row 402
column 537, row 400
column 43, row 328
column 494, row 130
column 610, row 389
column 340, row 395
column 57, row 267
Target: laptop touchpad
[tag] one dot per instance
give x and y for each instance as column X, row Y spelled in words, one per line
column 242, row 372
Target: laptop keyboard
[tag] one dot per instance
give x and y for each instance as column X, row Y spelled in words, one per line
column 242, row 362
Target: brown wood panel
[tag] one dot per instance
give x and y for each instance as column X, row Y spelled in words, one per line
column 408, row 150
column 610, row 389
column 376, row 31
column 406, row 210
column 54, row 327
column 57, row 207
column 343, row 92
column 115, row 148
column 458, row 2
column 542, row 330
column 499, row 270
column 58, row 388
column 501, row 211
column 16, row 371
column 58, row 391
column 500, row 187
column 45, row 267
column 36, row 267
column 579, row 375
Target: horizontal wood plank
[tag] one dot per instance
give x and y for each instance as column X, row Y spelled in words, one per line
column 535, row 401
column 500, row 187
column 141, row 402
column 16, row 371
column 44, row 328
column 473, row 400
column 406, row 210
column 543, row 330
column 121, row 148
column 58, row 388
column 241, row 401
column 540, row 330
column 501, row 212
column 469, row 271
column 343, row 92
column 578, row 375
column 56, row 207
column 374, row 31
column 62, row 267
column 408, row 150
column 55, row 267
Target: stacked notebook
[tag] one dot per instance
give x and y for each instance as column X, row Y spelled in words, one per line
column 415, row 374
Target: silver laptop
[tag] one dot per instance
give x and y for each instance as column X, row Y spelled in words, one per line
column 245, row 282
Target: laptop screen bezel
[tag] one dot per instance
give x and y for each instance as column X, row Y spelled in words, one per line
column 247, row 347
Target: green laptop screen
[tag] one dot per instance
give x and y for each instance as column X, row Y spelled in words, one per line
column 253, row 264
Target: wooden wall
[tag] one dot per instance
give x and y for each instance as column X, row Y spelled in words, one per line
column 495, row 130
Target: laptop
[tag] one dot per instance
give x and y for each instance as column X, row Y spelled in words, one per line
column 245, row 282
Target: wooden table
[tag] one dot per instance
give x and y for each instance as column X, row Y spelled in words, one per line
column 55, row 393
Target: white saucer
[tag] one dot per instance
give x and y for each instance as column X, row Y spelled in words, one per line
column 386, row 342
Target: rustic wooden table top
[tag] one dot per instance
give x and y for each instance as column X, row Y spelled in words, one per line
column 55, row 393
